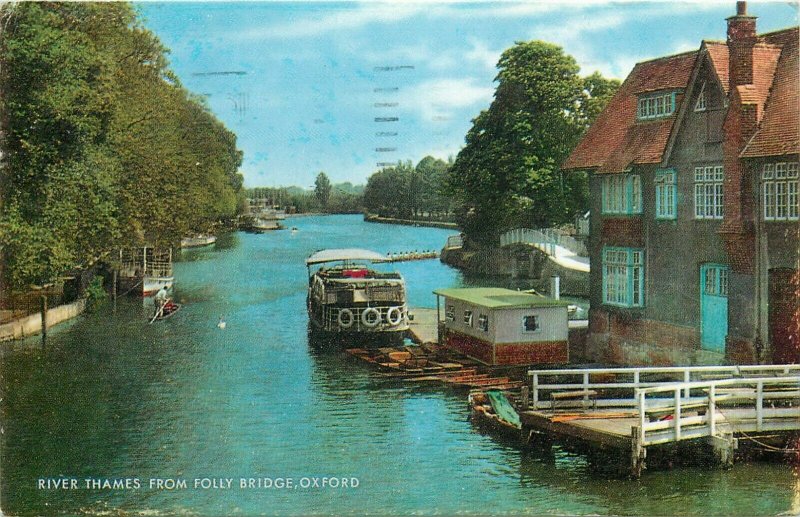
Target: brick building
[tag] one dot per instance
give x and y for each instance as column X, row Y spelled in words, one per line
column 694, row 237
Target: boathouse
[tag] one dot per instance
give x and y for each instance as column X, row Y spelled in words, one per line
column 503, row 327
column 693, row 170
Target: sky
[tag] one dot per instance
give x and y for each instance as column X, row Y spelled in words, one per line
column 342, row 87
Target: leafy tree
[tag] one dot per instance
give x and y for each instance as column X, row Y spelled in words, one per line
column 508, row 172
column 322, row 189
column 104, row 148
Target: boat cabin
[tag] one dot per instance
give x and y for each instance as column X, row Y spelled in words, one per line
column 503, row 327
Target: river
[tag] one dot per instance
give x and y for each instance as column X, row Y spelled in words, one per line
column 113, row 398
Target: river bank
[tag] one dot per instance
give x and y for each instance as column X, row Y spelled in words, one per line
column 371, row 218
column 524, row 264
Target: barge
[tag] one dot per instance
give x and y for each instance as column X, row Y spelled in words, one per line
column 348, row 297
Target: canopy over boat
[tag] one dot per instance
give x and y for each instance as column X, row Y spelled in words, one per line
column 345, row 255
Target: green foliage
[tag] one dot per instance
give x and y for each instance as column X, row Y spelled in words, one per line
column 508, row 172
column 322, row 189
column 104, row 148
column 95, row 294
column 406, row 191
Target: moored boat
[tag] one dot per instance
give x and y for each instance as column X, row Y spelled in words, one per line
column 198, row 241
column 348, row 296
column 144, row 270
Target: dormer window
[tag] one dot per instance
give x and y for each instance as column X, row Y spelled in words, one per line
column 700, row 105
column 656, row 105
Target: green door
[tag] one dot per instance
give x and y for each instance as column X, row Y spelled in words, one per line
column 713, row 306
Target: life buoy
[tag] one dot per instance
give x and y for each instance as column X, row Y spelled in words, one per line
column 345, row 318
column 371, row 317
column 394, row 316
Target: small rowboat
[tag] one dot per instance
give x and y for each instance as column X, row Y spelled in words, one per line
column 169, row 309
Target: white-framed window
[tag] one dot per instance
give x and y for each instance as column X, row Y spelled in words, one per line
column 666, row 194
column 700, row 105
column 708, row 192
column 716, row 281
column 450, row 313
column 621, row 194
column 483, row 322
column 656, row 105
column 623, row 277
column 468, row 318
column 779, row 187
column 530, row 323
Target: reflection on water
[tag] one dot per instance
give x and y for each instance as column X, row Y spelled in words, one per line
column 114, row 397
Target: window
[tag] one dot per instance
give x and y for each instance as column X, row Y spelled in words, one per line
column 779, row 187
column 716, row 281
column 666, row 194
column 622, row 194
column 450, row 313
column 530, row 323
column 708, row 194
column 483, row 322
column 468, row 318
column 700, row 105
column 656, row 105
column 623, row 277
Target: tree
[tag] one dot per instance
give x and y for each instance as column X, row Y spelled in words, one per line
column 104, row 147
column 508, row 172
column 322, row 189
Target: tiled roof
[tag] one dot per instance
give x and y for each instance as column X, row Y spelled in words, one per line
column 777, row 84
column 718, row 54
column 616, row 140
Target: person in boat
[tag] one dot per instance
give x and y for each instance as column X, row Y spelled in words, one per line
column 161, row 299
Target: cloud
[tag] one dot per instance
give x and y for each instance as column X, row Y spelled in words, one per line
column 436, row 99
column 482, row 54
column 341, row 19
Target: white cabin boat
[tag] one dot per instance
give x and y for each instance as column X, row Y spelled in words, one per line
column 144, row 270
column 198, row 241
column 347, row 295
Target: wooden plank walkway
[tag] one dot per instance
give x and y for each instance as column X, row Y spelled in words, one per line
column 423, row 328
column 663, row 413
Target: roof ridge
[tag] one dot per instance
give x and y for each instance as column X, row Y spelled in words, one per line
column 772, row 33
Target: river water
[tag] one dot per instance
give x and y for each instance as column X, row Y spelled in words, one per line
column 113, row 398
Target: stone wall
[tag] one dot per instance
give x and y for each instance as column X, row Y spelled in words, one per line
column 32, row 325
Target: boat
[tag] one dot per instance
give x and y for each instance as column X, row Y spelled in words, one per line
column 348, row 296
column 492, row 409
column 198, row 241
column 144, row 270
column 169, row 309
column 264, row 224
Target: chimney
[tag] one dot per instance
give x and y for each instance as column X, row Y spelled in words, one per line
column 741, row 39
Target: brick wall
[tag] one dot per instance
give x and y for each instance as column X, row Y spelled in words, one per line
column 469, row 346
column 507, row 354
column 548, row 352
column 623, row 231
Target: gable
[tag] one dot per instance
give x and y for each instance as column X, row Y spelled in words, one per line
column 617, row 139
column 778, row 133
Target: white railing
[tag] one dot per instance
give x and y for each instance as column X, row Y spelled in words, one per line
column 616, row 387
column 545, row 239
column 683, row 411
column 454, row 241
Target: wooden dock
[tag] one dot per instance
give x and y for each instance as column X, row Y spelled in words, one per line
column 632, row 410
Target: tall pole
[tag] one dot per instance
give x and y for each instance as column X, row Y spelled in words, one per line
column 43, row 308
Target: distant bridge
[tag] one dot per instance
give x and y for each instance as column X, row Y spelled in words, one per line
column 564, row 250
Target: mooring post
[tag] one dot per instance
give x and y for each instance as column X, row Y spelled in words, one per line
column 114, row 289
column 43, row 310
column 638, row 452
column 524, row 398
column 724, row 446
